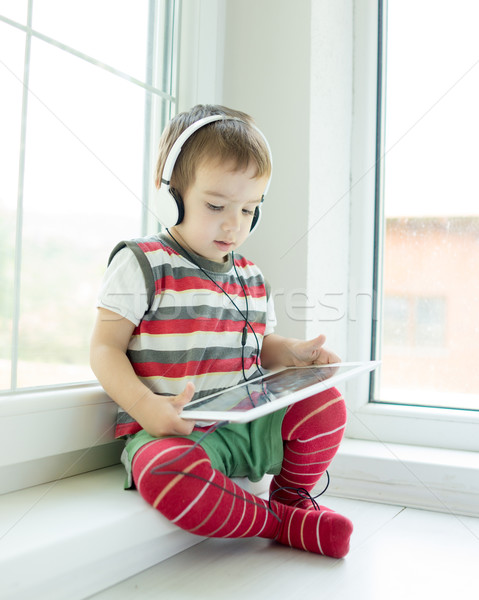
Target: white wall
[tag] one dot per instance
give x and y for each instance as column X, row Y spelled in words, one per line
column 267, row 74
column 289, row 65
column 330, row 161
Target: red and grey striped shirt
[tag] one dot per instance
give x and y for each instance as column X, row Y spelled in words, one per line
column 187, row 329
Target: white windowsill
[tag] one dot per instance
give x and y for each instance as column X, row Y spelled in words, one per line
column 75, row 537
column 421, row 477
column 80, row 535
column 54, row 433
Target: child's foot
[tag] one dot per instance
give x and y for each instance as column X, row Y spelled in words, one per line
column 320, row 531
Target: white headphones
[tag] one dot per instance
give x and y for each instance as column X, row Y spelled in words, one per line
column 169, row 202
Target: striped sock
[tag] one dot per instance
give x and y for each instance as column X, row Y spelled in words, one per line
column 324, row 532
column 312, row 431
column 177, row 478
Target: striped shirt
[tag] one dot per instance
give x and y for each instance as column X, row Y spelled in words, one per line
column 187, row 325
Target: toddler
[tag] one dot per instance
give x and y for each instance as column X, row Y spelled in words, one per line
column 182, row 314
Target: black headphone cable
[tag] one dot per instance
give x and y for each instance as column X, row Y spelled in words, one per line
column 244, row 332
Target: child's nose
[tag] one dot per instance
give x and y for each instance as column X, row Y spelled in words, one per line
column 232, row 222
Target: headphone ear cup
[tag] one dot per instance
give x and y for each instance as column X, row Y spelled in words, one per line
column 256, row 219
column 179, row 205
column 170, row 206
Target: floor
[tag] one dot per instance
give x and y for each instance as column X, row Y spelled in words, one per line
column 396, row 553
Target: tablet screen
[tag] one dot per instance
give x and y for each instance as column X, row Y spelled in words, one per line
column 265, row 390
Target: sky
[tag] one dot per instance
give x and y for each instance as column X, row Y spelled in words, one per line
column 432, row 119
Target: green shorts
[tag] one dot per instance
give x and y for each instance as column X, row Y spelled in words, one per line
column 237, row 450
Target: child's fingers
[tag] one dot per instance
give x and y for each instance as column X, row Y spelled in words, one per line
column 186, row 395
column 326, row 357
column 320, row 355
column 318, row 342
column 315, row 347
column 181, row 426
column 184, row 427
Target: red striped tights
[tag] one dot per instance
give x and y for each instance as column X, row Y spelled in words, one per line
column 189, row 492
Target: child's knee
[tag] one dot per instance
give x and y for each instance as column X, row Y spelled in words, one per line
column 156, row 465
column 328, row 406
column 319, row 416
column 333, row 400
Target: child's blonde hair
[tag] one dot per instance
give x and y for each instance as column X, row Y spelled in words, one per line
column 233, row 140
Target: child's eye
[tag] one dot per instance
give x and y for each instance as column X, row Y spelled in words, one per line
column 214, row 207
column 250, row 213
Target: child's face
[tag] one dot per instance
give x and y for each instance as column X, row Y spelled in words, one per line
column 219, row 209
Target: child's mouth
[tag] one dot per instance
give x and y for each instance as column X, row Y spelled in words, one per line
column 224, row 246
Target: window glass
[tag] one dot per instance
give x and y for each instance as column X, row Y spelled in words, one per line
column 112, row 31
column 81, row 196
column 396, row 321
column 77, row 159
column 430, row 319
column 15, row 10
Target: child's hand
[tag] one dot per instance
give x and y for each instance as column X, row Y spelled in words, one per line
column 160, row 414
column 279, row 351
column 312, row 352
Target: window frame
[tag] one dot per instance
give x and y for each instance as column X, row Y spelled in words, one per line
column 445, row 428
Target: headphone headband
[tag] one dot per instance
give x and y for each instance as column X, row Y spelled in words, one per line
column 170, row 205
column 180, row 140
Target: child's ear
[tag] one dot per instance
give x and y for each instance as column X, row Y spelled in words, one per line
column 157, row 183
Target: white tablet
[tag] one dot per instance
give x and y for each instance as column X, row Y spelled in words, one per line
column 272, row 391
